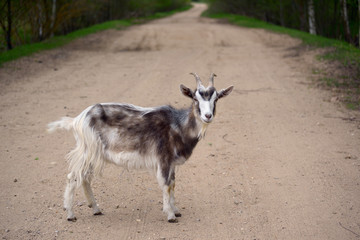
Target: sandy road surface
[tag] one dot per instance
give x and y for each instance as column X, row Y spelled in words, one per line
column 279, row 162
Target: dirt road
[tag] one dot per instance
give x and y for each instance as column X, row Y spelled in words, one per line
column 280, row 161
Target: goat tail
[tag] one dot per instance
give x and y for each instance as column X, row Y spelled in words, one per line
column 63, row 123
column 86, row 159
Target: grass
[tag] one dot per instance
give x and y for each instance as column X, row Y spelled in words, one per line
column 352, row 106
column 330, row 81
column 166, row 14
column 58, row 41
column 340, row 51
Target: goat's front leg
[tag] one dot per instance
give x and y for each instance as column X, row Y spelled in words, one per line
column 172, row 196
column 166, row 186
column 69, row 197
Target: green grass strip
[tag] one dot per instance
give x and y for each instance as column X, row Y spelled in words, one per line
column 58, row 41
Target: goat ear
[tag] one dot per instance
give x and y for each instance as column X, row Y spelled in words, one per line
column 225, row 92
column 186, row 91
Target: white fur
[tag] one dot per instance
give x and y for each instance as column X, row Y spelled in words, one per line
column 133, row 160
column 206, row 107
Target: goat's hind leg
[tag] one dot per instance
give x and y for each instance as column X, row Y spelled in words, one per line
column 90, row 196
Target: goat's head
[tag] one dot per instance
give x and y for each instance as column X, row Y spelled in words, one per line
column 204, row 99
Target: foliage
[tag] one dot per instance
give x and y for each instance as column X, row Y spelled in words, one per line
column 294, row 14
column 57, row 41
column 36, row 20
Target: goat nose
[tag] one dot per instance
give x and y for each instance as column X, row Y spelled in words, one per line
column 208, row 115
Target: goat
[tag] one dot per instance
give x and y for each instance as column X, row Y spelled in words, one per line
column 158, row 139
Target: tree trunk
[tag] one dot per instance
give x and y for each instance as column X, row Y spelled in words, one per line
column 40, row 23
column 53, row 17
column 8, row 32
column 335, row 19
column 359, row 22
column 346, row 21
column 311, row 13
column 282, row 22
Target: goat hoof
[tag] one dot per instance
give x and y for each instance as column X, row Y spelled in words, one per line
column 98, row 214
column 177, row 214
column 73, row 219
column 173, row 220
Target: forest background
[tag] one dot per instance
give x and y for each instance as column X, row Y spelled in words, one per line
column 337, row 19
column 30, row 21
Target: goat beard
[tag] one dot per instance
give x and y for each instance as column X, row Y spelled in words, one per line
column 203, row 130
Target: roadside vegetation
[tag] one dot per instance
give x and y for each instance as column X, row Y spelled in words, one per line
column 29, row 26
column 343, row 77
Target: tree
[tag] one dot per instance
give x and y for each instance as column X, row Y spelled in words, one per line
column 6, row 23
column 53, row 17
column 346, row 21
column 311, row 13
column 40, row 21
column 282, row 21
column 9, row 20
column 359, row 20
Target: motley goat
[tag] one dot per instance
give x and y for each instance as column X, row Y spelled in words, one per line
column 158, row 139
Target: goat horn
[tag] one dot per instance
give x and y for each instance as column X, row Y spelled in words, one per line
column 198, row 81
column 212, row 79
